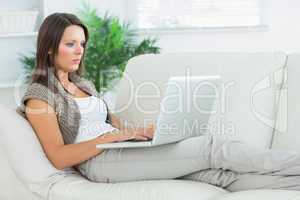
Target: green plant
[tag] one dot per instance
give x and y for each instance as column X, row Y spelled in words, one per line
column 111, row 44
column 28, row 62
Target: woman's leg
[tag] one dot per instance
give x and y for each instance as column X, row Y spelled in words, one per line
column 217, row 177
column 239, row 157
column 256, row 181
column 253, row 168
column 188, row 156
column 234, row 181
column 160, row 162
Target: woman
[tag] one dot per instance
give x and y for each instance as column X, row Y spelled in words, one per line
column 70, row 119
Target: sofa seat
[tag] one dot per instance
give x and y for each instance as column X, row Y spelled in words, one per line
column 75, row 187
column 261, row 195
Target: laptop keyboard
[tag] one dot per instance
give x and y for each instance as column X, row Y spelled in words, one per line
column 133, row 140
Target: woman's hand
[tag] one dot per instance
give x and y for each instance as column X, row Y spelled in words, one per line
column 144, row 134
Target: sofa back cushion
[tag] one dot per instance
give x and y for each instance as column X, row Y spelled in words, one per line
column 246, row 106
column 287, row 133
column 25, row 154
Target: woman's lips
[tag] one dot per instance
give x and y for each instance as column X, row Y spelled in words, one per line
column 76, row 61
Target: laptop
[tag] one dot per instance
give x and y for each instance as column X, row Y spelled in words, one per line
column 184, row 112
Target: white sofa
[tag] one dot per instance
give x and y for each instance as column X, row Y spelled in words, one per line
column 255, row 110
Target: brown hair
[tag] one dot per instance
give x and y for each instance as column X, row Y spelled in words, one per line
column 49, row 36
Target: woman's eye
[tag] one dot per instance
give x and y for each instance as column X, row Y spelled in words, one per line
column 72, row 44
column 69, row 44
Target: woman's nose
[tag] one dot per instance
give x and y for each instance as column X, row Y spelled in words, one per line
column 79, row 49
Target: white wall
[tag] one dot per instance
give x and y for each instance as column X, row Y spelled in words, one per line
column 115, row 7
column 283, row 34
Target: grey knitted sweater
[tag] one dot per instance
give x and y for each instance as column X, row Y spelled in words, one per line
column 61, row 101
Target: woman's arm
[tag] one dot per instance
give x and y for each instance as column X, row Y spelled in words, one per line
column 117, row 123
column 43, row 119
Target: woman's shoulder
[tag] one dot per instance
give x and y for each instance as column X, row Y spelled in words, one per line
column 37, row 91
column 36, row 88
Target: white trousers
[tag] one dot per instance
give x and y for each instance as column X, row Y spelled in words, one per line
column 204, row 158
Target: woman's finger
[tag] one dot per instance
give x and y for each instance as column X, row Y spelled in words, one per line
column 141, row 137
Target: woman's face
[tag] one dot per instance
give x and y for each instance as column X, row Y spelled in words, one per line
column 70, row 50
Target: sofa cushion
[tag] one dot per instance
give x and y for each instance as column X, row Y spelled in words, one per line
column 287, row 136
column 247, row 107
column 75, row 188
column 25, row 154
column 11, row 187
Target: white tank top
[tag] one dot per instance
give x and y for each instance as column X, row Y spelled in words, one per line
column 93, row 123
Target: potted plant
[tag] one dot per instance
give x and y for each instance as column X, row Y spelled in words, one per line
column 111, row 44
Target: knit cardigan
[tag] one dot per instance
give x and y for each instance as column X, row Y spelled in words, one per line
column 62, row 102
